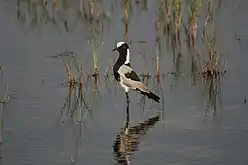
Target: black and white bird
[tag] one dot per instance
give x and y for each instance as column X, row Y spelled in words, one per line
column 126, row 76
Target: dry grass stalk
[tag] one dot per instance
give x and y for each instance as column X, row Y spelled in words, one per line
column 168, row 16
column 178, row 17
column 212, row 67
column 75, row 102
column 127, row 10
column 71, row 79
column 95, row 61
column 193, row 22
column 208, row 18
column 157, row 68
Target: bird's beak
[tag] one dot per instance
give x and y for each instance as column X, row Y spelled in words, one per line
column 114, row 49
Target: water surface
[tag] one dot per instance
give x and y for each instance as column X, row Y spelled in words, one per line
column 33, row 129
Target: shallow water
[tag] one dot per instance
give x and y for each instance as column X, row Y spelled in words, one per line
column 33, row 132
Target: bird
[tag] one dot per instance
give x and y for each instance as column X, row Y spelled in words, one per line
column 126, row 76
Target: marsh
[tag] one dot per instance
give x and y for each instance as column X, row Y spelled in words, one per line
column 65, row 106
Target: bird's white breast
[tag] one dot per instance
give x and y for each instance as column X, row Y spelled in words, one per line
column 123, row 85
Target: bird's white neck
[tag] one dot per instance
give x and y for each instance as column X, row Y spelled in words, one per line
column 127, row 57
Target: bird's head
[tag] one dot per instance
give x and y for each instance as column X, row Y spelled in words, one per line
column 121, row 47
column 124, row 53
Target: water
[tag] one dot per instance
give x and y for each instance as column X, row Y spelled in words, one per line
column 33, row 130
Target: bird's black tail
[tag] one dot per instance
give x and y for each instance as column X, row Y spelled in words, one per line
column 150, row 95
column 153, row 97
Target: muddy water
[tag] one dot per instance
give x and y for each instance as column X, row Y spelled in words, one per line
column 33, row 130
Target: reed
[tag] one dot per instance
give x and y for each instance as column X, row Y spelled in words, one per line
column 193, row 12
column 177, row 15
column 208, row 18
column 4, row 101
column 169, row 25
column 75, row 103
column 95, row 60
column 213, row 66
column 126, row 16
column 162, row 22
column 141, row 4
column 1, row 69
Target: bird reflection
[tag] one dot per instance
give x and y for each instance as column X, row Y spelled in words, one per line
column 127, row 141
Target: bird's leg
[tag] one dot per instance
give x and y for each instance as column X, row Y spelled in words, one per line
column 127, row 116
column 127, row 98
column 127, row 110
